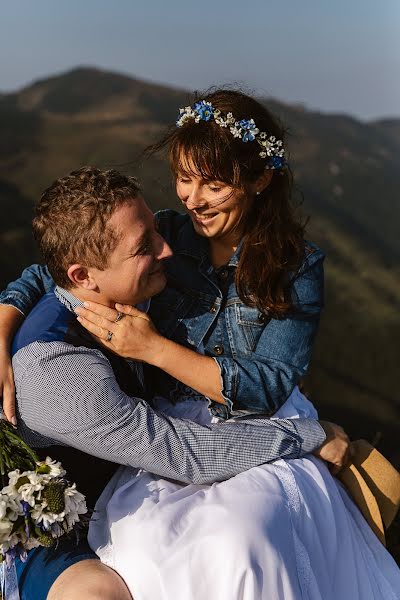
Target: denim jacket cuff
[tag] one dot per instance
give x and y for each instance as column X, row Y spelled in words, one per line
column 14, row 299
column 228, row 374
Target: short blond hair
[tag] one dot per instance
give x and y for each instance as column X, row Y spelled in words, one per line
column 71, row 219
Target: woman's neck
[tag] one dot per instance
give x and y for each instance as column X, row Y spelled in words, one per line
column 221, row 251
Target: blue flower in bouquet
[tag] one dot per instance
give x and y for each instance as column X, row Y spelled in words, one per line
column 204, row 110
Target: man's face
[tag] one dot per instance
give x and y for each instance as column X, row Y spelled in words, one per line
column 135, row 271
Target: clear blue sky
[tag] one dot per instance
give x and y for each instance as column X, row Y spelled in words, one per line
column 333, row 55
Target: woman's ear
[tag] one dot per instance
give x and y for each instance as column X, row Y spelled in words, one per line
column 263, row 181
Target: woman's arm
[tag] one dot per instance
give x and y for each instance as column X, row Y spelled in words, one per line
column 136, row 337
column 257, row 383
column 10, row 320
column 26, row 291
column 15, row 302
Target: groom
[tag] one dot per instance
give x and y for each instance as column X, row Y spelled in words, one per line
column 83, row 405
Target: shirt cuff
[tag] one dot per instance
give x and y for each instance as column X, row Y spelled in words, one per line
column 311, row 433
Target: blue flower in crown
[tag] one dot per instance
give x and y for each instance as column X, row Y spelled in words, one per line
column 250, row 128
column 276, row 162
column 204, row 109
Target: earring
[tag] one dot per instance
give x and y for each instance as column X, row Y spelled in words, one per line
column 258, row 193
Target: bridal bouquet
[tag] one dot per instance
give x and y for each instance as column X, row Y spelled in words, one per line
column 38, row 505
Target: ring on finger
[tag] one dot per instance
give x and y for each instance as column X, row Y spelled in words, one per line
column 120, row 316
column 109, row 336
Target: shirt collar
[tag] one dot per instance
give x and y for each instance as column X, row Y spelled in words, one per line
column 71, row 302
column 67, row 298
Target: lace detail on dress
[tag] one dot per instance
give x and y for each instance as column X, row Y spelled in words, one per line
column 290, row 488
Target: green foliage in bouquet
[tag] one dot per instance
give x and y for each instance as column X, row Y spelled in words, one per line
column 14, row 453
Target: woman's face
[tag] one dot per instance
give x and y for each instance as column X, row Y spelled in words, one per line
column 216, row 209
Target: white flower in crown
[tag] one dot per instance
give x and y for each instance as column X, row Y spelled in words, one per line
column 246, row 130
column 236, row 130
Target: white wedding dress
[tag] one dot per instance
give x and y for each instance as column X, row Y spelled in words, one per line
column 281, row 531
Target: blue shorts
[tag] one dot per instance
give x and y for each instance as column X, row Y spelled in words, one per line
column 44, row 565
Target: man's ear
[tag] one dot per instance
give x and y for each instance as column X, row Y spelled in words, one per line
column 81, row 277
column 263, row 181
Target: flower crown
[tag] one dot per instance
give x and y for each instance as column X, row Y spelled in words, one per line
column 246, row 130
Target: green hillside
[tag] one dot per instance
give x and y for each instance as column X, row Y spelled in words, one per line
column 346, row 170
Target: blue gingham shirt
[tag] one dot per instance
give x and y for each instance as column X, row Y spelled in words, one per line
column 69, row 395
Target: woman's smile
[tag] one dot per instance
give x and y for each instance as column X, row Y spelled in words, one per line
column 204, row 218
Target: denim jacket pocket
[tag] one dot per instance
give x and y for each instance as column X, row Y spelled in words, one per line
column 251, row 323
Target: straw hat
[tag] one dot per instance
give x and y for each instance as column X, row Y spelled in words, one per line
column 374, row 485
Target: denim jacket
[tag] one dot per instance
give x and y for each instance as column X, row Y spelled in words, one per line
column 260, row 359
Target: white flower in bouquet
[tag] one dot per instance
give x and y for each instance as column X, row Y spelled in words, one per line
column 45, row 519
column 28, row 490
column 3, row 506
column 37, row 504
column 56, row 469
column 5, row 530
column 10, row 508
column 13, row 541
column 75, row 505
column 13, row 477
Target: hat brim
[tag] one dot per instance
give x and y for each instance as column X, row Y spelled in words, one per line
column 358, row 489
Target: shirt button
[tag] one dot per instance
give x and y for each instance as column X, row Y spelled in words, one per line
column 262, row 318
column 218, row 350
column 224, row 273
column 213, row 309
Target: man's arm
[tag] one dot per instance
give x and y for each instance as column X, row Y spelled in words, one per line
column 70, row 396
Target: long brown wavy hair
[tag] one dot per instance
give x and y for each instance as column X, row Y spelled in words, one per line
column 273, row 245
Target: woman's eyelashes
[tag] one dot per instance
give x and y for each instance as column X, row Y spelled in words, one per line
column 212, row 186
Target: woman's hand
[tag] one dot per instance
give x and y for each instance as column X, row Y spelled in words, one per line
column 126, row 331
column 130, row 333
column 7, row 388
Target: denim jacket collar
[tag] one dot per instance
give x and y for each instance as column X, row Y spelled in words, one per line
column 191, row 244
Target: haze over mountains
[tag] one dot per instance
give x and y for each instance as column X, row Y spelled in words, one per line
column 347, row 170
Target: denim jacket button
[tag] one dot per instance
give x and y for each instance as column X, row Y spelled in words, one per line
column 218, row 350
column 262, row 318
column 213, row 309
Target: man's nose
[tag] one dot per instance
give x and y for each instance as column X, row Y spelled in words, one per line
column 162, row 249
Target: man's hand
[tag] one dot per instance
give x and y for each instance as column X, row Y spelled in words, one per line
column 336, row 449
